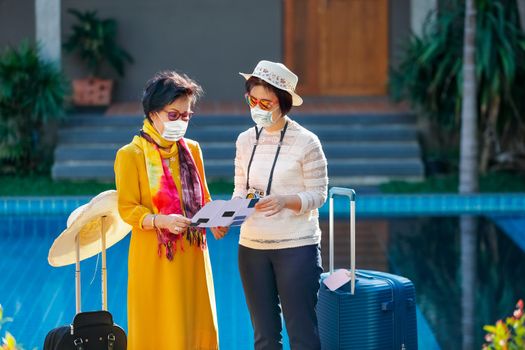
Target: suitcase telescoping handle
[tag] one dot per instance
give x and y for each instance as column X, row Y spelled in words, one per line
column 103, row 271
column 351, row 195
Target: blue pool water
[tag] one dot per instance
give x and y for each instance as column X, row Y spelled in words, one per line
column 427, row 250
column 40, row 297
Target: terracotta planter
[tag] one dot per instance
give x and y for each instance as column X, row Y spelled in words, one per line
column 92, row 92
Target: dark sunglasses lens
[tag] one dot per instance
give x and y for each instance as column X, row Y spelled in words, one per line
column 177, row 115
column 173, row 116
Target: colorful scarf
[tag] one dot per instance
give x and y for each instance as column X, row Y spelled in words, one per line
column 164, row 193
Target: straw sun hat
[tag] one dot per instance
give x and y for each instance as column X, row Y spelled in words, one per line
column 87, row 223
column 278, row 75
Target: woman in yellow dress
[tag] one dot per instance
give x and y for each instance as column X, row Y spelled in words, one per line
column 161, row 184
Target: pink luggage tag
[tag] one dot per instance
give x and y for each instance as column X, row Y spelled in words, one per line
column 337, row 279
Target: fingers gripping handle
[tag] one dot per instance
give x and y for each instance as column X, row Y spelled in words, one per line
column 351, row 196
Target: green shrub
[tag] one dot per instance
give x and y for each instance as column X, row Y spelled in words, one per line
column 508, row 334
column 491, row 182
column 32, row 94
column 430, row 77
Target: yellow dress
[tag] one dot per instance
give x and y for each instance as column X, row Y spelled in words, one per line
column 171, row 304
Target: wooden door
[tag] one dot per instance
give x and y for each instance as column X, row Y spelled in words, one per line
column 337, row 47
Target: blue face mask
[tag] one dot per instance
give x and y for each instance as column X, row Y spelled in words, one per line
column 262, row 118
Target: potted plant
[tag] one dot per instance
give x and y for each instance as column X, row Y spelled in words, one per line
column 94, row 41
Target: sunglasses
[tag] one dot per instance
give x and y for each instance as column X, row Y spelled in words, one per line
column 176, row 115
column 265, row 105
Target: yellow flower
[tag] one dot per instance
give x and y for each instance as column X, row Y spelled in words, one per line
column 9, row 342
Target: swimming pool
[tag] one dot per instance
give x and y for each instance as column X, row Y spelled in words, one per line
column 40, row 297
column 427, row 250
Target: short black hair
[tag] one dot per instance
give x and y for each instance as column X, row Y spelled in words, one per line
column 165, row 87
column 284, row 97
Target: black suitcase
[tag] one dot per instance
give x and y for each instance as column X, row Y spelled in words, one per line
column 89, row 330
column 92, row 330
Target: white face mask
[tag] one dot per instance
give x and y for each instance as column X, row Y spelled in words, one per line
column 262, row 118
column 174, row 130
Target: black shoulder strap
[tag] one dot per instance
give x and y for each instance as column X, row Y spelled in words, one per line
column 257, row 134
column 270, row 179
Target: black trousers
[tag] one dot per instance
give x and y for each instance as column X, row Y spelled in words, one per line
column 282, row 277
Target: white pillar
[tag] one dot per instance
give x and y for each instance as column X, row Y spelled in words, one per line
column 419, row 10
column 47, row 18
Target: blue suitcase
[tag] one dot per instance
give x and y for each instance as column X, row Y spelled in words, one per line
column 375, row 310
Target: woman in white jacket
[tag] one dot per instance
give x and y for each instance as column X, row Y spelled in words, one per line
column 279, row 249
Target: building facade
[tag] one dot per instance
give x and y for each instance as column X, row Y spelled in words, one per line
column 337, row 47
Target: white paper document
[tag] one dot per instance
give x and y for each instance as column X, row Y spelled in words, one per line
column 224, row 213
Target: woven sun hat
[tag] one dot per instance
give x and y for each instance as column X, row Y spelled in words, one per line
column 278, row 75
column 86, row 222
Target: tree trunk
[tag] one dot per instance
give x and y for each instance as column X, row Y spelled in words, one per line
column 468, row 176
column 521, row 8
column 469, row 141
column 490, row 135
